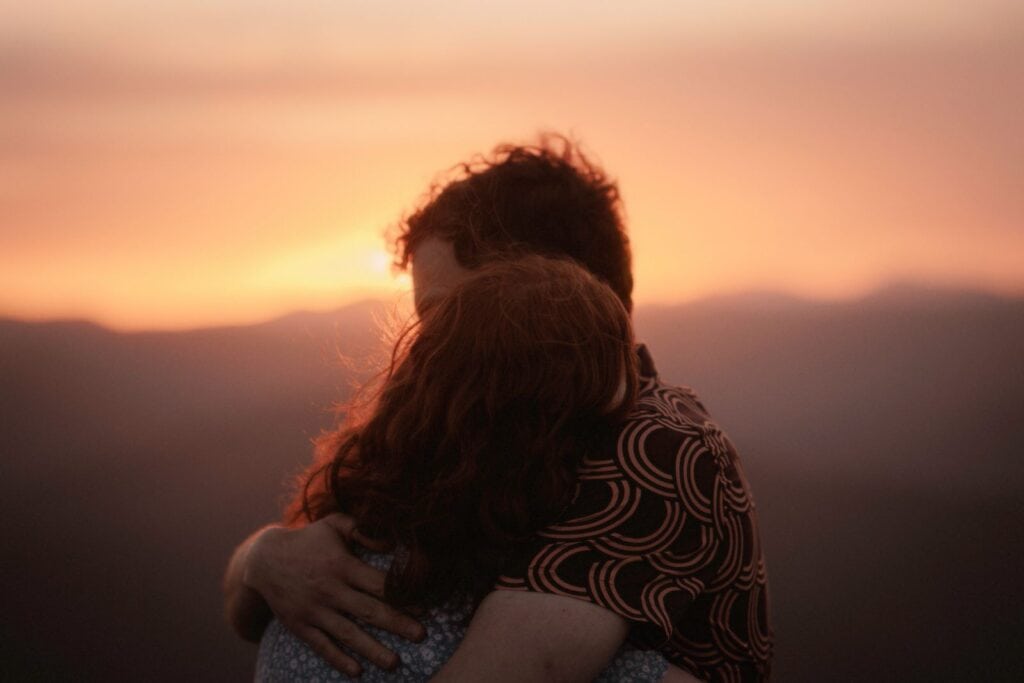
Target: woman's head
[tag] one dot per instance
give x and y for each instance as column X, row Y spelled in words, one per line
column 535, row 333
column 473, row 441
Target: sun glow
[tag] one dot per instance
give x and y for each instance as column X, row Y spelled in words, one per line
column 170, row 178
column 354, row 261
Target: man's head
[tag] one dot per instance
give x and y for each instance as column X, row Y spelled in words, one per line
column 545, row 199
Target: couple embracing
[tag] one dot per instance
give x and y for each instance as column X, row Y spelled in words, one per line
column 520, row 498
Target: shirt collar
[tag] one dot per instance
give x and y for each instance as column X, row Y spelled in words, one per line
column 647, row 368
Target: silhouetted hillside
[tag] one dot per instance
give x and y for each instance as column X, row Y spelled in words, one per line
column 882, row 438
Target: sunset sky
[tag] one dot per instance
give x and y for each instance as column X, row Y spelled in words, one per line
column 174, row 164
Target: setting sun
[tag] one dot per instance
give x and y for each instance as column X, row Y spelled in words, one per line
column 156, row 181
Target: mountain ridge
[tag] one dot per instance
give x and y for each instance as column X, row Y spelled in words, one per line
column 882, row 443
column 897, row 293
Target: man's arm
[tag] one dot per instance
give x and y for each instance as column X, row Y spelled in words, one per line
column 244, row 608
column 523, row 636
column 308, row 578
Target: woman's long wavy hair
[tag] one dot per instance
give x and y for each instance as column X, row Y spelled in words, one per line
column 471, row 444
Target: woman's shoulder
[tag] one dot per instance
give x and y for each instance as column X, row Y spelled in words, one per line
column 285, row 657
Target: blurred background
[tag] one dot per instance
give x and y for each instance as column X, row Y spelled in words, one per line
column 826, row 204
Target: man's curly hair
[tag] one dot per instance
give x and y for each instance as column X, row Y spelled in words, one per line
column 546, row 199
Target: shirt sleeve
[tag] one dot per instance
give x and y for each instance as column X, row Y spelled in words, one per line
column 646, row 531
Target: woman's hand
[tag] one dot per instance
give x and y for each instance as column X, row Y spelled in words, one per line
column 316, row 586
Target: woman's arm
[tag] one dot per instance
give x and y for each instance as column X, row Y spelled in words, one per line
column 524, row 636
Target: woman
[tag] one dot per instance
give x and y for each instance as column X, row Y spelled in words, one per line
column 469, row 448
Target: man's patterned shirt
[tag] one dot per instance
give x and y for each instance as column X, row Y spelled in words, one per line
column 662, row 531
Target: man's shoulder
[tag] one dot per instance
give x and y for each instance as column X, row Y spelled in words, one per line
column 672, row 405
column 669, row 454
column 669, row 430
column 658, row 402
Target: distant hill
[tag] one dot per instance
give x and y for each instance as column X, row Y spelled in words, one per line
column 900, row 386
column 883, row 438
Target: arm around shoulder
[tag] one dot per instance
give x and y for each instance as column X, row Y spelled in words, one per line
column 522, row 636
column 244, row 607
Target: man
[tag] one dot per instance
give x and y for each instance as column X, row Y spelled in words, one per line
column 660, row 541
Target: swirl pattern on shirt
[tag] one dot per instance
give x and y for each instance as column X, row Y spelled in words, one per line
column 662, row 530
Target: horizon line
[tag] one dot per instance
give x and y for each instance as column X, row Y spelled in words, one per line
column 745, row 296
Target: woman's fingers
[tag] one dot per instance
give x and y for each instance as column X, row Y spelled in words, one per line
column 344, row 632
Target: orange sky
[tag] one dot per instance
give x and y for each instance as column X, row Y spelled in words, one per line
column 173, row 164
